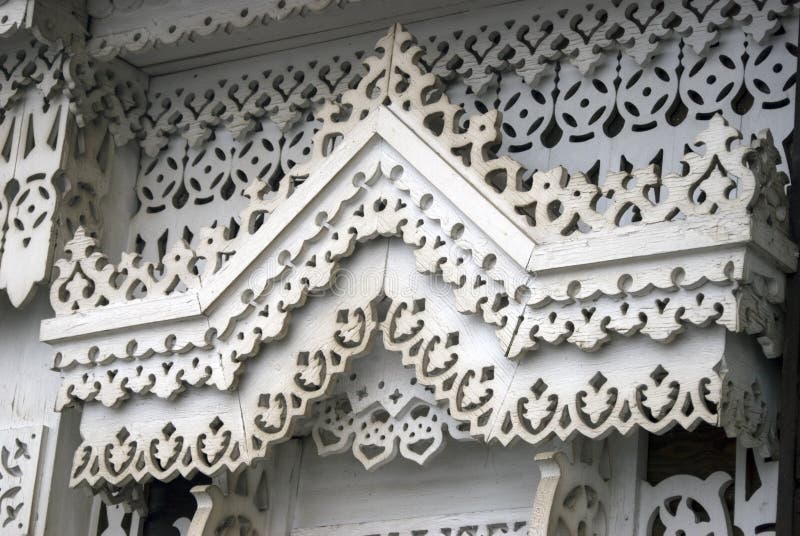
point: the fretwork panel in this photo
(621, 115)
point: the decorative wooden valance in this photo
(530, 308)
(61, 114)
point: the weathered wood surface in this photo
(312, 221)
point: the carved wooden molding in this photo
(544, 34)
(59, 111)
(50, 57)
(688, 504)
(239, 509)
(159, 32)
(119, 519)
(573, 490)
(527, 41)
(575, 494)
(19, 465)
(756, 492)
(520, 268)
(674, 503)
(58, 174)
(50, 21)
(238, 505)
(212, 132)
(379, 410)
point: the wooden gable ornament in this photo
(62, 113)
(532, 306)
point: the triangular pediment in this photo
(382, 161)
(509, 262)
(537, 226)
(296, 255)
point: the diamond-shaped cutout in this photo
(659, 374)
(215, 425)
(539, 388)
(168, 430)
(123, 435)
(452, 339)
(597, 381)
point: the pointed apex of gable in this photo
(396, 78)
(563, 259)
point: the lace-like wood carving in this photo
(19, 463)
(406, 193)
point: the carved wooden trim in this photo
(527, 41)
(671, 503)
(241, 508)
(379, 410)
(121, 521)
(584, 211)
(253, 119)
(394, 161)
(59, 111)
(756, 492)
(19, 465)
(55, 176)
(50, 56)
(496, 398)
(50, 21)
(168, 32)
(548, 35)
(573, 490)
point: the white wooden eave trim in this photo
(635, 242)
(478, 202)
(382, 125)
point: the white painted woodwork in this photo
(708, 493)
(441, 279)
(49, 506)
